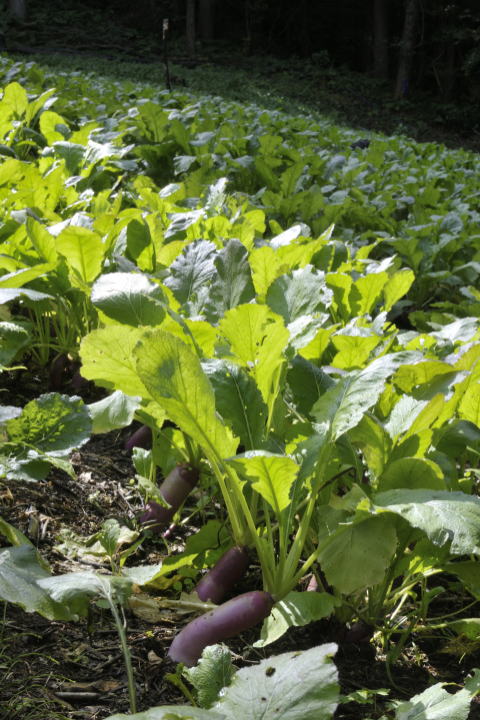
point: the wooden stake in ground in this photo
(165, 26)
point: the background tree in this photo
(206, 20)
(407, 42)
(18, 9)
(190, 27)
(380, 39)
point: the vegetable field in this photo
(273, 325)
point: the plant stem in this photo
(121, 625)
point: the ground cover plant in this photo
(293, 317)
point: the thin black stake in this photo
(165, 26)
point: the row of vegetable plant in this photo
(295, 321)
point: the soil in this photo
(76, 670)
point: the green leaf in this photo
(53, 127)
(341, 408)
(370, 436)
(191, 270)
(435, 703)
(213, 672)
(75, 590)
(403, 414)
(175, 379)
(257, 339)
(152, 120)
(107, 359)
(295, 610)
(83, 251)
(179, 222)
(20, 572)
(272, 476)
(72, 153)
(353, 350)
(233, 282)
(469, 573)
(129, 298)
(109, 535)
(23, 276)
(13, 338)
(42, 241)
(366, 291)
(15, 98)
(113, 412)
(297, 685)
(445, 517)
(265, 267)
(55, 424)
(171, 712)
(413, 473)
(302, 292)
(469, 408)
(9, 294)
(13, 535)
(359, 555)
(239, 401)
(396, 287)
(307, 383)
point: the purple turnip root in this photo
(178, 484)
(224, 575)
(359, 632)
(141, 438)
(58, 368)
(79, 383)
(225, 621)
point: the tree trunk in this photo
(380, 40)
(206, 20)
(190, 27)
(18, 9)
(450, 72)
(407, 42)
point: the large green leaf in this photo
(171, 712)
(447, 518)
(192, 270)
(213, 672)
(174, 377)
(83, 251)
(54, 424)
(257, 339)
(233, 282)
(272, 476)
(302, 292)
(20, 571)
(359, 555)
(307, 382)
(366, 291)
(107, 359)
(13, 338)
(75, 590)
(435, 703)
(341, 408)
(238, 400)
(129, 298)
(396, 287)
(295, 610)
(113, 412)
(374, 442)
(412, 472)
(297, 685)
(15, 99)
